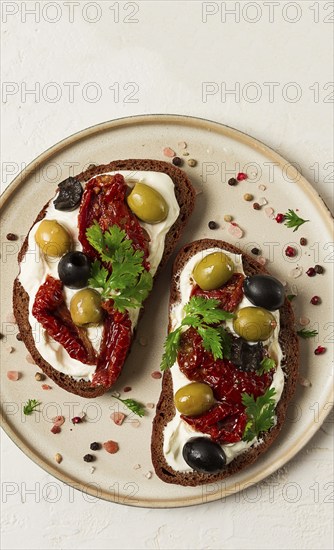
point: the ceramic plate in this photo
(221, 152)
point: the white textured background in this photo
(171, 57)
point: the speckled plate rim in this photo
(197, 123)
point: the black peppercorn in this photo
(177, 161)
(303, 241)
(89, 458)
(11, 237)
(232, 181)
(213, 225)
(319, 269)
(255, 251)
(95, 446)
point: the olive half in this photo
(148, 204)
(52, 238)
(213, 271)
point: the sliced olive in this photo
(194, 399)
(213, 271)
(85, 307)
(254, 324)
(69, 196)
(264, 291)
(204, 455)
(52, 238)
(148, 205)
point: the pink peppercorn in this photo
(76, 420)
(290, 251)
(242, 176)
(320, 350)
(315, 300)
(311, 272)
(280, 218)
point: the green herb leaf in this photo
(31, 406)
(293, 220)
(291, 297)
(260, 413)
(266, 365)
(134, 406)
(304, 333)
(129, 283)
(201, 312)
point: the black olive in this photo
(74, 269)
(246, 356)
(264, 291)
(69, 196)
(204, 455)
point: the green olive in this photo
(194, 399)
(85, 307)
(254, 324)
(52, 238)
(148, 205)
(213, 271)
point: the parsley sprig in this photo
(266, 365)
(31, 406)
(304, 333)
(129, 284)
(292, 220)
(134, 406)
(200, 314)
(260, 413)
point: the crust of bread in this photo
(185, 196)
(166, 409)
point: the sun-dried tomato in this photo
(226, 421)
(104, 201)
(114, 348)
(229, 295)
(50, 310)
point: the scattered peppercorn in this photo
(11, 237)
(248, 197)
(290, 251)
(76, 420)
(311, 272)
(127, 388)
(213, 225)
(95, 446)
(191, 162)
(303, 241)
(177, 161)
(232, 181)
(58, 458)
(319, 269)
(255, 251)
(39, 376)
(319, 350)
(89, 458)
(228, 218)
(280, 218)
(256, 206)
(19, 337)
(242, 176)
(316, 300)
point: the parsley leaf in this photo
(304, 333)
(128, 284)
(293, 220)
(260, 413)
(266, 365)
(134, 406)
(291, 297)
(200, 312)
(31, 406)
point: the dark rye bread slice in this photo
(185, 196)
(166, 409)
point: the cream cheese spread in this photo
(177, 432)
(35, 267)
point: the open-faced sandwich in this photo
(230, 365)
(88, 264)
